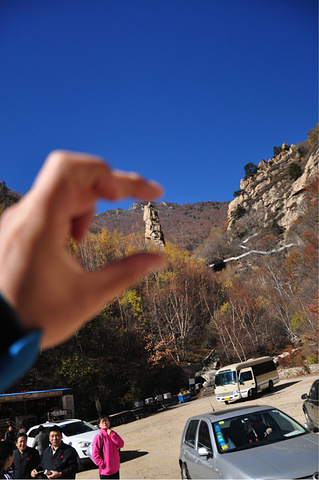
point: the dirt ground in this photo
(152, 444)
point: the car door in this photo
(312, 404)
(189, 447)
(205, 464)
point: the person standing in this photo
(25, 458)
(10, 435)
(59, 460)
(105, 453)
(41, 440)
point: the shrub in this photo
(238, 192)
(239, 212)
(294, 171)
(250, 169)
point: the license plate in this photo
(227, 399)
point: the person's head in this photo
(21, 442)
(6, 455)
(257, 420)
(10, 428)
(55, 436)
(104, 422)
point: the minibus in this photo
(245, 379)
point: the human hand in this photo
(53, 474)
(34, 473)
(47, 287)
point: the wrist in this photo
(18, 348)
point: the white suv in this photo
(75, 432)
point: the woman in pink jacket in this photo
(105, 452)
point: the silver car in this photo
(259, 442)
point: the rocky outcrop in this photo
(271, 194)
(153, 229)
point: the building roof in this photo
(31, 395)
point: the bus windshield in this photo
(225, 378)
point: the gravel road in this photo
(152, 444)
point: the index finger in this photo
(93, 178)
(129, 184)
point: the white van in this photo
(245, 379)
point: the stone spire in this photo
(153, 229)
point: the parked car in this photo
(75, 432)
(310, 406)
(230, 443)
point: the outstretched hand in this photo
(47, 287)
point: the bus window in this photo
(245, 376)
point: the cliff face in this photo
(273, 193)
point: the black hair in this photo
(55, 428)
(6, 449)
(21, 434)
(101, 417)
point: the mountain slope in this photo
(185, 225)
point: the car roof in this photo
(58, 422)
(226, 413)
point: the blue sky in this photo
(186, 92)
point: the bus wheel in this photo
(271, 386)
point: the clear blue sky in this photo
(183, 91)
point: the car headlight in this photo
(84, 444)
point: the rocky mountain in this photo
(268, 215)
(276, 192)
(185, 225)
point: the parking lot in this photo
(152, 444)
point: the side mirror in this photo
(309, 426)
(241, 381)
(304, 396)
(204, 452)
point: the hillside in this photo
(276, 191)
(184, 225)
(268, 214)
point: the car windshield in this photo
(255, 429)
(225, 378)
(75, 428)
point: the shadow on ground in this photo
(127, 455)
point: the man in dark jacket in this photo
(10, 435)
(59, 460)
(25, 458)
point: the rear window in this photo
(75, 428)
(34, 432)
(191, 433)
